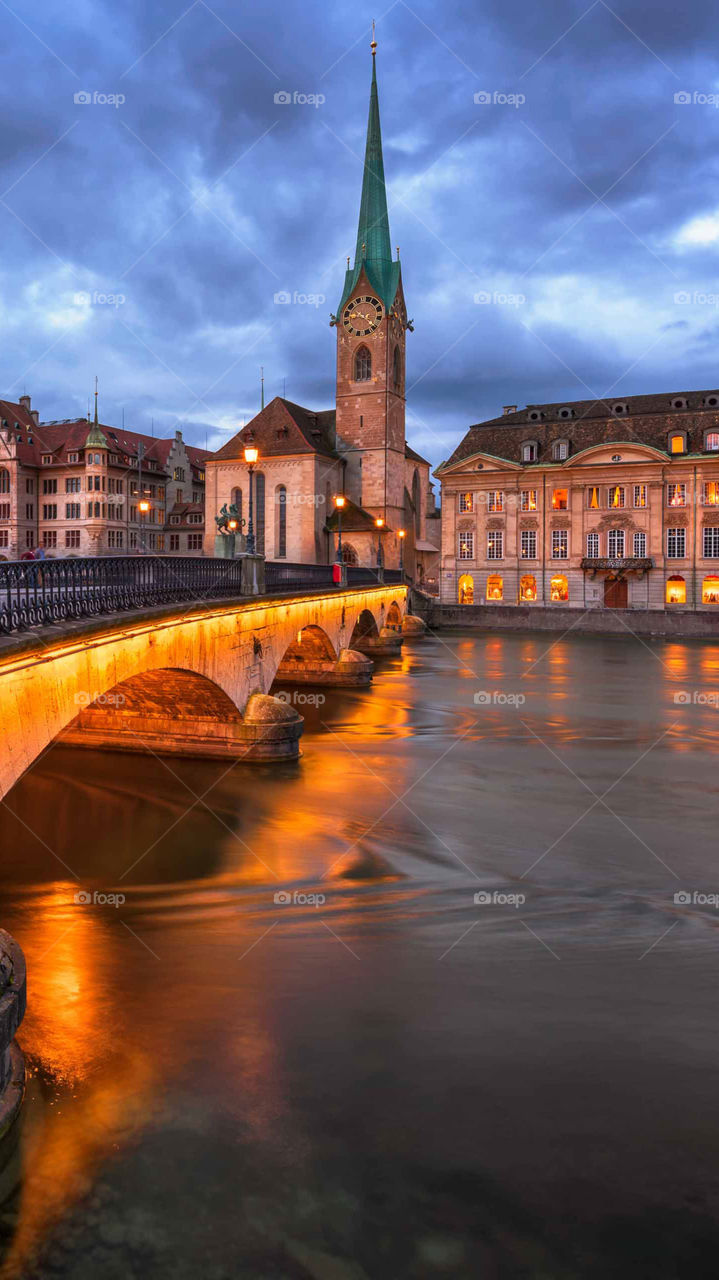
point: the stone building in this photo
(357, 449)
(591, 504)
(74, 488)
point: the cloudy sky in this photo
(556, 205)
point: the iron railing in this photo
(37, 592)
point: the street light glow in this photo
(402, 533)
(379, 522)
(144, 506)
(340, 501)
(251, 454)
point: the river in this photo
(382, 1076)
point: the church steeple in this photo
(374, 247)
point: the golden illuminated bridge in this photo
(101, 661)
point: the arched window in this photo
(495, 587)
(528, 587)
(710, 590)
(260, 512)
(363, 365)
(280, 522)
(466, 589)
(676, 590)
(4, 480)
(417, 502)
(397, 370)
(559, 587)
(349, 555)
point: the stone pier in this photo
(386, 643)
(413, 627)
(350, 669)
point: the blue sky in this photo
(145, 240)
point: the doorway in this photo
(616, 593)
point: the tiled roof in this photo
(354, 520)
(281, 428)
(70, 434)
(646, 420)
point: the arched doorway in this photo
(465, 589)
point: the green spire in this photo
(374, 248)
(95, 438)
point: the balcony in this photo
(618, 564)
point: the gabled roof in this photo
(284, 428)
(354, 520)
(412, 454)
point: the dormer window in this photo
(46, 459)
(560, 450)
(621, 409)
(711, 441)
(679, 402)
(535, 415)
(530, 450)
(566, 412)
(678, 442)
(711, 402)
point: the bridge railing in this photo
(37, 592)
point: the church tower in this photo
(371, 332)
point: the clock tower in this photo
(371, 330)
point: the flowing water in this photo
(382, 1076)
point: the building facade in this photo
(358, 449)
(592, 504)
(80, 488)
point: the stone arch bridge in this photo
(191, 679)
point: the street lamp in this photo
(379, 523)
(251, 456)
(340, 501)
(402, 534)
(143, 508)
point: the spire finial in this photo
(96, 421)
(262, 385)
(373, 45)
(398, 253)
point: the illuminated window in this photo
(676, 590)
(559, 500)
(615, 496)
(495, 544)
(528, 500)
(676, 544)
(711, 444)
(676, 495)
(711, 493)
(363, 365)
(528, 587)
(640, 545)
(560, 544)
(676, 444)
(528, 544)
(593, 497)
(592, 546)
(466, 502)
(495, 500)
(495, 587)
(559, 587)
(466, 546)
(466, 589)
(710, 547)
(615, 544)
(640, 495)
(710, 590)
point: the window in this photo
(640, 495)
(466, 502)
(260, 512)
(72, 457)
(30, 511)
(72, 484)
(529, 451)
(710, 547)
(4, 537)
(676, 443)
(559, 500)
(560, 450)
(676, 590)
(676, 544)
(593, 497)
(640, 545)
(49, 511)
(49, 538)
(711, 493)
(711, 444)
(72, 538)
(194, 542)
(615, 495)
(615, 544)
(528, 544)
(179, 473)
(397, 370)
(710, 590)
(495, 500)
(495, 587)
(29, 486)
(466, 546)
(49, 486)
(363, 365)
(4, 510)
(676, 495)
(528, 500)
(29, 539)
(160, 542)
(560, 544)
(280, 523)
(46, 459)
(495, 544)
(558, 588)
(528, 587)
(133, 541)
(466, 589)
(4, 481)
(592, 546)
(72, 510)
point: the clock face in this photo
(362, 316)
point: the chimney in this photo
(178, 435)
(25, 402)
(35, 415)
(509, 408)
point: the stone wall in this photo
(641, 622)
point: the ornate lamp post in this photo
(379, 524)
(251, 456)
(340, 501)
(143, 507)
(402, 534)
